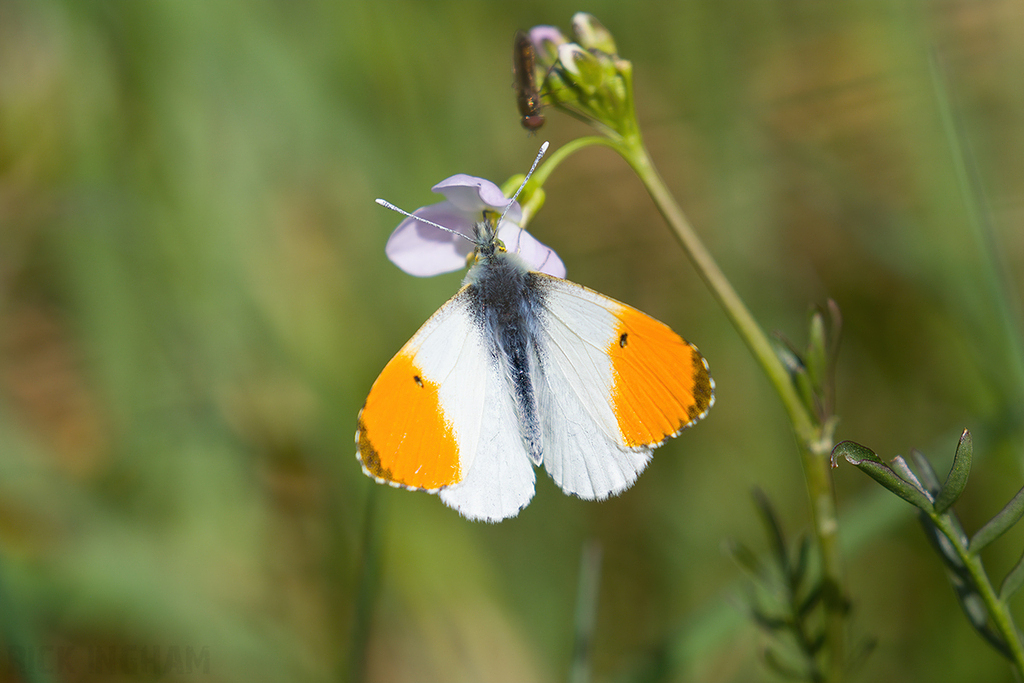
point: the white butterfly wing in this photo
(616, 384)
(440, 418)
(501, 481)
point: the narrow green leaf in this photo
(817, 351)
(809, 603)
(835, 327)
(788, 355)
(869, 463)
(767, 622)
(976, 612)
(903, 471)
(942, 544)
(929, 479)
(1013, 581)
(745, 558)
(805, 387)
(974, 607)
(799, 566)
(815, 644)
(776, 537)
(797, 370)
(995, 527)
(956, 480)
(774, 662)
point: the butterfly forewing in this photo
(421, 421)
(617, 384)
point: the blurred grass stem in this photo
(996, 280)
(366, 591)
(586, 612)
(22, 647)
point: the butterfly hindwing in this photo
(501, 481)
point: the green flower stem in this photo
(552, 161)
(636, 156)
(815, 442)
(998, 609)
(734, 307)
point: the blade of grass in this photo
(586, 612)
(365, 590)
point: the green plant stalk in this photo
(587, 591)
(19, 634)
(632, 150)
(815, 442)
(366, 592)
(998, 610)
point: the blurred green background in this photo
(194, 301)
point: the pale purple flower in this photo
(423, 250)
(546, 40)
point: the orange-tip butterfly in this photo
(522, 369)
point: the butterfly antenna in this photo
(540, 155)
(388, 205)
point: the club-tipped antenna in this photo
(540, 155)
(388, 205)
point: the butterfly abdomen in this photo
(507, 304)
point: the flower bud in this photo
(586, 78)
(591, 33)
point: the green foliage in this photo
(813, 370)
(194, 301)
(787, 604)
(986, 610)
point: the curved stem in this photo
(815, 442)
(997, 608)
(553, 160)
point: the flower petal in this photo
(546, 40)
(423, 250)
(471, 194)
(537, 256)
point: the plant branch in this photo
(997, 608)
(814, 442)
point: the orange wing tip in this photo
(391, 483)
(662, 382)
(403, 436)
(710, 392)
(383, 480)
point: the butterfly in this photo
(522, 369)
